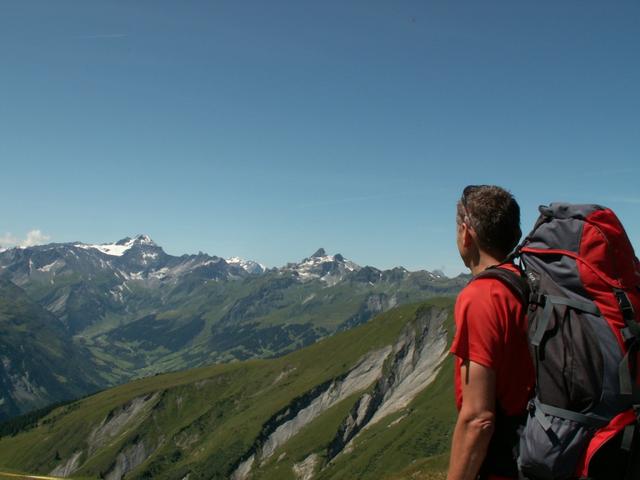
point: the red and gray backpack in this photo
(584, 333)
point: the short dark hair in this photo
(494, 214)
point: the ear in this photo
(468, 238)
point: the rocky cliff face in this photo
(127, 460)
(389, 380)
(304, 410)
(411, 367)
(117, 421)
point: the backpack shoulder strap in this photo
(515, 281)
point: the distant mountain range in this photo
(129, 309)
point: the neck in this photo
(483, 261)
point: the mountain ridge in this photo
(119, 247)
(309, 414)
(143, 312)
(39, 364)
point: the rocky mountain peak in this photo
(140, 239)
(144, 240)
(319, 253)
(331, 269)
(249, 266)
(124, 241)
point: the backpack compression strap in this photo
(631, 334)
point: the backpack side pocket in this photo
(551, 446)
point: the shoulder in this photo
(490, 290)
(481, 291)
(475, 305)
(489, 301)
(479, 328)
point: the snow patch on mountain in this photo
(46, 268)
(330, 269)
(144, 240)
(248, 266)
(120, 247)
(107, 248)
(146, 256)
(160, 274)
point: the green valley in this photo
(374, 401)
(129, 310)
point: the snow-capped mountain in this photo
(330, 269)
(138, 258)
(141, 311)
(83, 282)
(119, 248)
(333, 269)
(248, 265)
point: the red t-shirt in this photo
(491, 329)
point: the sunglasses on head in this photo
(468, 190)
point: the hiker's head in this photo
(488, 219)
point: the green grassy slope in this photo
(416, 438)
(39, 364)
(204, 421)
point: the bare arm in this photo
(476, 421)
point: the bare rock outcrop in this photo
(117, 420)
(110, 428)
(127, 460)
(304, 410)
(414, 364)
(305, 469)
(389, 379)
(68, 467)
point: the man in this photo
(494, 376)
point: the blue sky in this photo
(269, 129)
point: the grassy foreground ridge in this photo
(205, 422)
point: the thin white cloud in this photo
(33, 237)
(8, 240)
